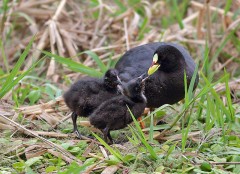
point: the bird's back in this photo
(109, 113)
(80, 94)
(137, 60)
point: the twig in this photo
(199, 24)
(59, 155)
(123, 15)
(113, 46)
(88, 149)
(224, 65)
(7, 21)
(233, 25)
(215, 9)
(92, 167)
(110, 169)
(30, 4)
(190, 18)
(59, 10)
(53, 31)
(104, 152)
(96, 156)
(191, 41)
(126, 33)
(53, 145)
(52, 134)
(179, 136)
(61, 121)
(208, 18)
(97, 24)
(40, 46)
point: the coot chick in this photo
(166, 85)
(113, 114)
(87, 94)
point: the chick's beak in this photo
(119, 85)
(119, 82)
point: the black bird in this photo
(113, 114)
(88, 93)
(166, 85)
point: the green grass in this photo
(74, 66)
(12, 79)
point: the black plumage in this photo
(113, 114)
(87, 94)
(166, 85)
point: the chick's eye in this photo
(136, 88)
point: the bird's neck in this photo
(172, 66)
(110, 88)
(140, 98)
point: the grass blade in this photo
(5, 8)
(205, 89)
(4, 56)
(221, 46)
(19, 63)
(75, 66)
(227, 6)
(185, 89)
(151, 129)
(141, 136)
(210, 111)
(95, 57)
(185, 133)
(136, 124)
(178, 15)
(194, 77)
(9, 86)
(229, 100)
(120, 5)
(109, 148)
(171, 149)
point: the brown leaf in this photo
(110, 169)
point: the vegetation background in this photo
(47, 45)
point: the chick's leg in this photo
(75, 129)
(109, 137)
(106, 134)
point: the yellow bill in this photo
(153, 69)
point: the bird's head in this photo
(111, 79)
(134, 89)
(166, 58)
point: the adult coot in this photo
(113, 114)
(88, 93)
(166, 85)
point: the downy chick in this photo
(113, 114)
(88, 93)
